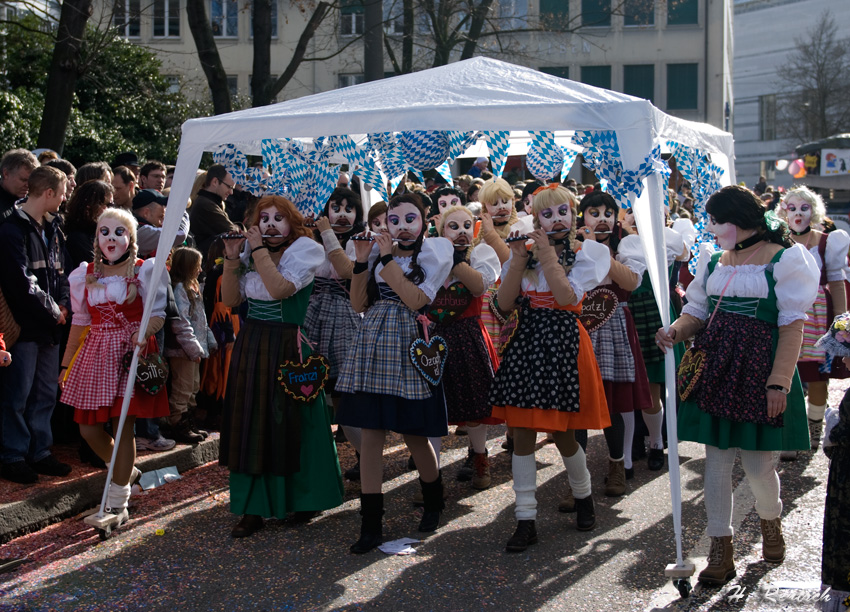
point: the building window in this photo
(126, 18)
(639, 12)
(554, 14)
(595, 13)
(346, 80)
(393, 18)
(274, 20)
(224, 17)
(173, 83)
(682, 12)
(767, 117)
(513, 14)
(639, 81)
(598, 76)
(351, 18)
(233, 86)
(682, 86)
(166, 18)
(558, 71)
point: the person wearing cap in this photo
(208, 215)
(479, 165)
(149, 210)
(128, 159)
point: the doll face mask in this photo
(458, 228)
(445, 201)
(500, 211)
(113, 239)
(341, 214)
(405, 223)
(379, 224)
(272, 223)
(799, 213)
(556, 218)
(601, 220)
(629, 219)
(726, 234)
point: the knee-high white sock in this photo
(477, 438)
(718, 490)
(628, 437)
(437, 444)
(653, 424)
(578, 474)
(815, 412)
(354, 435)
(525, 486)
(117, 496)
(760, 467)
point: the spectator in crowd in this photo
(70, 171)
(83, 209)
(169, 176)
(94, 171)
(479, 166)
(149, 210)
(207, 214)
(152, 176)
(15, 168)
(46, 156)
(761, 186)
(343, 181)
(36, 290)
(124, 183)
(128, 159)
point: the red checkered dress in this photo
(96, 381)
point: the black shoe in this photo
(301, 517)
(411, 464)
(248, 525)
(432, 495)
(19, 472)
(367, 542)
(87, 455)
(353, 473)
(630, 473)
(339, 435)
(182, 433)
(51, 466)
(523, 537)
(655, 459)
(585, 514)
(371, 512)
(467, 470)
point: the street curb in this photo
(75, 496)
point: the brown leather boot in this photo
(615, 483)
(568, 504)
(481, 477)
(721, 567)
(773, 544)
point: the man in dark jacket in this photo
(207, 214)
(15, 168)
(38, 295)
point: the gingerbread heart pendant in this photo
(690, 370)
(429, 358)
(450, 303)
(304, 381)
(597, 308)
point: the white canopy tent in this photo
(476, 94)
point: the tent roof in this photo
(475, 94)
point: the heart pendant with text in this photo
(597, 308)
(429, 358)
(304, 381)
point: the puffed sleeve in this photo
(697, 305)
(485, 261)
(685, 228)
(837, 243)
(299, 262)
(630, 254)
(435, 259)
(77, 280)
(797, 276)
(592, 264)
(161, 295)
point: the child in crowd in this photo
(186, 345)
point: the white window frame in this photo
(166, 5)
(347, 80)
(225, 17)
(132, 14)
(356, 25)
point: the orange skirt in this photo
(142, 406)
(593, 407)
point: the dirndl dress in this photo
(831, 252)
(728, 406)
(647, 319)
(97, 377)
(331, 323)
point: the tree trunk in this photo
(261, 77)
(300, 49)
(475, 26)
(407, 37)
(63, 75)
(373, 40)
(202, 32)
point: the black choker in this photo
(745, 244)
(805, 231)
(559, 241)
(120, 260)
(503, 224)
(406, 247)
(274, 249)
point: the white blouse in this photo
(435, 259)
(676, 238)
(331, 244)
(485, 261)
(298, 265)
(113, 289)
(630, 254)
(593, 262)
(795, 273)
(837, 243)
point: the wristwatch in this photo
(778, 388)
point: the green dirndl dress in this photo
(696, 425)
(647, 321)
(280, 452)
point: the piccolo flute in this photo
(371, 238)
(240, 236)
(333, 225)
(525, 237)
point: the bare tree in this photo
(819, 69)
